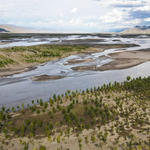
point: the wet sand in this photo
(24, 66)
(46, 78)
(75, 61)
(15, 70)
(120, 60)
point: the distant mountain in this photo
(137, 30)
(17, 29)
(3, 30)
(117, 30)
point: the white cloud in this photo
(147, 19)
(75, 22)
(62, 14)
(60, 21)
(92, 24)
(144, 8)
(74, 10)
(120, 3)
(133, 22)
(114, 16)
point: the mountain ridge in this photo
(137, 30)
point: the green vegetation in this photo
(103, 110)
(38, 54)
(5, 61)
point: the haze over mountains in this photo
(6, 28)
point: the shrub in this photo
(85, 102)
(81, 119)
(3, 108)
(43, 110)
(51, 126)
(61, 123)
(51, 116)
(1, 115)
(37, 111)
(93, 138)
(33, 108)
(13, 108)
(42, 148)
(27, 122)
(22, 130)
(45, 105)
(41, 102)
(49, 113)
(31, 127)
(63, 111)
(39, 124)
(16, 130)
(54, 110)
(32, 101)
(17, 106)
(87, 126)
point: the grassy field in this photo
(113, 116)
(22, 57)
(32, 54)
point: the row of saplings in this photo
(92, 111)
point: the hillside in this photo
(137, 30)
(110, 117)
(4, 28)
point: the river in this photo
(19, 88)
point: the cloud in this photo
(74, 10)
(92, 24)
(62, 14)
(144, 8)
(139, 14)
(75, 22)
(122, 3)
(114, 16)
(147, 19)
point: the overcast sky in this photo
(75, 15)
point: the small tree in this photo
(32, 101)
(39, 123)
(1, 115)
(58, 139)
(27, 122)
(13, 108)
(22, 130)
(93, 138)
(22, 105)
(42, 148)
(128, 78)
(3, 108)
(37, 111)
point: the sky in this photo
(75, 15)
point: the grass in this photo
(38, 54)
(5, 61)
(43, 53)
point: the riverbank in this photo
(121, 60)
(17, 60)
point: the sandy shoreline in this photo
(120, 60)
(21, 66)
(46, 78)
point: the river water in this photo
(20, 88)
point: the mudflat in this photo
(121, 60)
(46, 78)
